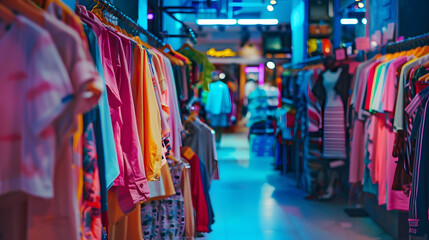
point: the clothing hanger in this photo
(424, 50)
(173, 158)
(98, 11)
(168, 46)
(6, 15)
(172, 59)
(424, 78)
(191, 118)
(34, 14)
(41, 3)
(187, 45)
(138, 40)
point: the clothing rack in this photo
(124, 21)
(408, 44)
(189, 32)
(312, 60)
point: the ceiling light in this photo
(217, 21)
(271, 65)
(348, 21)
(222, 76)
(258, 21)
(270, 8)
(150, 16)
(361, 5)
(273, 2)
(364, 21)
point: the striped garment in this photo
(334, 136)
(419, 199)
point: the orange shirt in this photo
(147, 114)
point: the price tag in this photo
(362, 43)
(340, 54)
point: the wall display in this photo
(277, 42)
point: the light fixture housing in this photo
(271, 65)
(222, 76)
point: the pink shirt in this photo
(389, 93)
(35, 90)
(131, 182)
(59, 218)
(174, 121)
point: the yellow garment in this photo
(161, 77)
(168, 184)
(114, 211)
(312, 45)
(128, 227)
(147, 114)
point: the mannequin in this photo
(218, 105)
(332, 91)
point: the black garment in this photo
(342, 87)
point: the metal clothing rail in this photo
(124, 21)
(189, 32)
(408, 44)
(312, 60)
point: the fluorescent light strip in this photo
(239, 21)
(258, 21)
(217, 21)
(349, 21)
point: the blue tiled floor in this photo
(252, 201)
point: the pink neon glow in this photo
(261, 73)
(251, 69)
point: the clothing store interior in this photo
(214, 119)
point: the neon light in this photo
(224, 53)
(251, 69)
(261, 79)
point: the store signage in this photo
(224, 53)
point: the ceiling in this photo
(232, 36)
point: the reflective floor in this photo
(252, 201)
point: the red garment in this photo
(371, 76)
(198, 198)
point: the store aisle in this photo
(252, 201)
